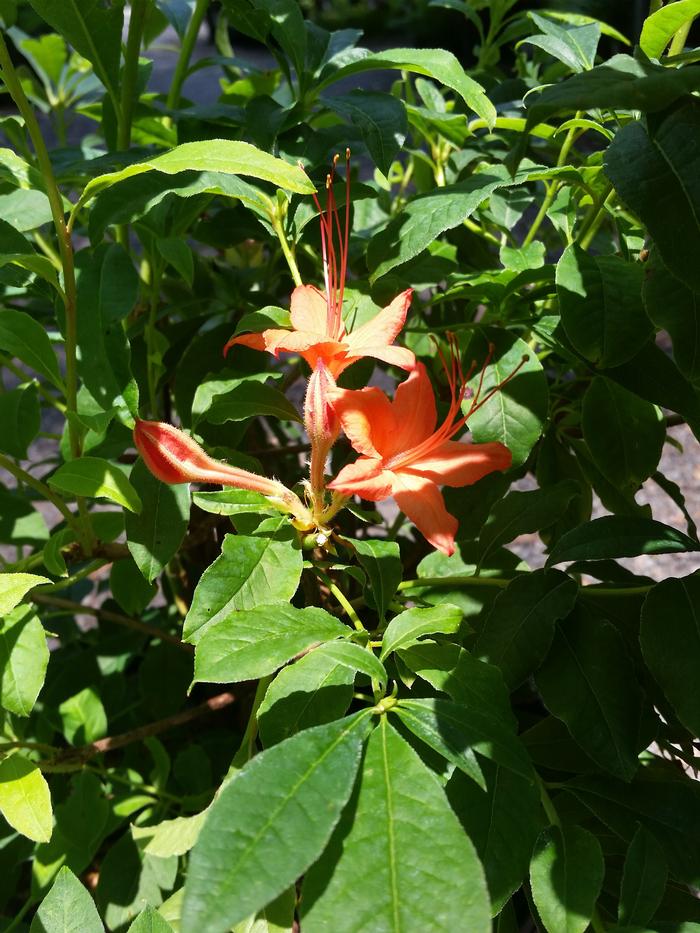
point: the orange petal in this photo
(309, 310)
(254, 341)
(421, 500)
(455, 463)
(414, 410)
(365, 478)
(384, 327)
(395, 356)
(366, 419)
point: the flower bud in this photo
(173, 457)
(320, 420)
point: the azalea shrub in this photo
(332, 419)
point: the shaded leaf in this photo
(643, 879)
(67, 908)
(154, 535)
(619, 536)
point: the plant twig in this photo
(106, 615)
(183, 61)
(112, 742)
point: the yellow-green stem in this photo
(130, 71)
(288, 255)
(183, 61)
(43, 490)
(502, 582)
(342, 599)
(553, 187)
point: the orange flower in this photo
(318, 331)
(406, 457)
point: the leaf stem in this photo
(342, 599)
(245, 749)
(594, 217)
(288, 255)
(554, 186)
(43, 490)
(502, 582)
(183, 61)
(130, 71)
(65, 245)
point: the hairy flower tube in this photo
(405, 456)
(318, 331)
(173, 457)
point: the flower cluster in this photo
(404, 453)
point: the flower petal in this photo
(384, 327)
(366, 418)
(421, 500)
(414, 410)
(456, 463)
(309, 310)
(254, 341)
(395, 356)
(365, 478)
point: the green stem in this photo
(247, 746)
(156, 268)
(553, 187)
(594, 218)
(43, 490)
(75, 577)
(183, 61)
(130, 71)
(288, 255)
(42, 390)
(65, 245)
(502, 582)
(347, 606)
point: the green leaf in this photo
(154, 535)
(25, 208)
(503, 823)
(516, 413)
(25, 800)
(248, 644)
(84, 718)
(463, 726)
(229, 157)
(20, 417)
(171, 837)
(471, 682)
(574, 46)
(32, 262)
(433, 63)
(234, 502)
(25, 338)
(424, 219)
(519, 628)
(525, 512)
(674, 307)
(24, 657)
(355, 658)
(621, 83)
(665, 803)
(381, 119)
(150, 921)
(14, 587)
(409, 626)
(178, 254)
(566, 877)
(108, 289)
(249, 399)
(643, 879)
(620, 536)
(98, 479)
(670, 640)
(381, 561)
(641, 162)
(601, 305)
(418, 868)
(67, 908)
(273, 820)
(314, 690)
(589, 682)
(663, 24)
(276, 917)
(250, 571)
(624, 434)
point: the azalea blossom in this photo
(405, 456)
(318, 330)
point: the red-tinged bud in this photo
(173, 457)
(321, 425)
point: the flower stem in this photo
(130, 71)
(183, 61)
(342, 599)
(502, 582)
